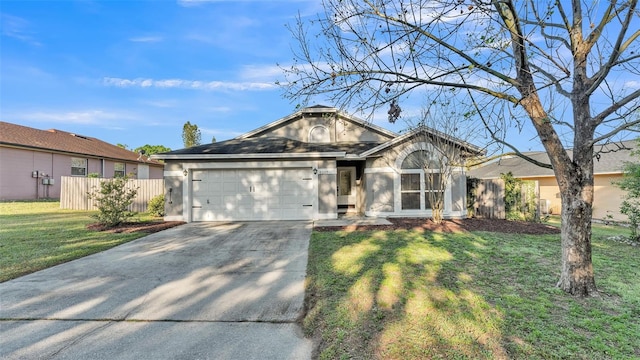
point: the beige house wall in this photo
(607, 197)
(340, 130)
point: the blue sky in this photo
(133, 72)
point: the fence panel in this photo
(74, 192)
(489, 199)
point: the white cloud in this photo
(81, 117)
(261, 72)
(147, 39)
(188, 84)
(18, 28)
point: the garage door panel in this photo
(257, 194)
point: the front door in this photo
(347, 187)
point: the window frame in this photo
(417, 191)
(85, 168)
(115, 171)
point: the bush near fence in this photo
(74, 192)
(487, 198)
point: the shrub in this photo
(113, 198)
(156, 206)
(630, 182)
(519, 198)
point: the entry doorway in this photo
(347, 192)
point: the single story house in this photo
(316, 163)
(608, 168)
(32, 161)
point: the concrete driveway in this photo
(198, 291)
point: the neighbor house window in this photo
(118, 170)
(78, 167)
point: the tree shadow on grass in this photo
(400, 294)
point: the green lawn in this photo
(415, 295)
(37, 235)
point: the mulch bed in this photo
(451, 226)
(447, 226)
(130, 227)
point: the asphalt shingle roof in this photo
(272, 145)
(62, 141)
(610, 158)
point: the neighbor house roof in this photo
(609, 159)
(65, 142)
(268, 147)
(314, 110)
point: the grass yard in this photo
(38, 235)
(408, 294)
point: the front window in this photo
(410, 191)
(118, 170)
(78, 167)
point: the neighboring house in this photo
(608, 168)
(32, 161)
(313, 164)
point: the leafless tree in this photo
(569, 68)
(443, 133)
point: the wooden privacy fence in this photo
(74, 192)
(487, 198)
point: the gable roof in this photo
(610, 159)
(65, 142)
(429, 131)
(317, 109)
(266, 147)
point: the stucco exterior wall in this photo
(340, 130)
(458, 191)
(607, 197)
(379, 192)
(173, 196)
(327, 194)
(16, 166)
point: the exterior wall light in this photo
(315, 171)
(185, 172)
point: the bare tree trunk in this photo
(577, 277)
(437, 215)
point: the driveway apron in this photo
(197, 291)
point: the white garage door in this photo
(261, 194)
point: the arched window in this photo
(420, 181)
